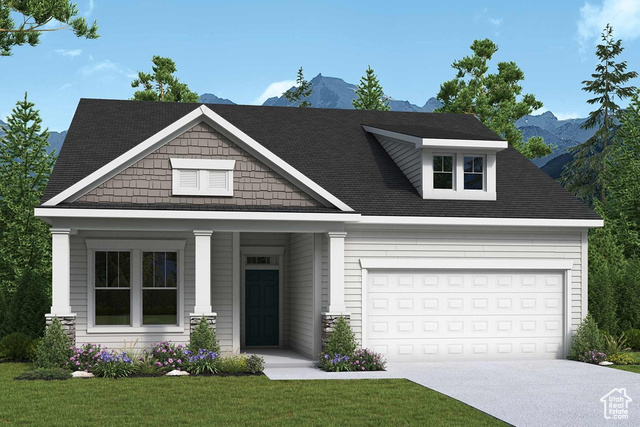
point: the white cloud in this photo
(89, 11)
(107, 67)
(566, 116)
(623, 15)
(495, 21)
(274, 89)
(65, 86)
(71, 53)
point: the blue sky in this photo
(247, 50)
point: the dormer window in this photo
(202, 177)
(474, 173)
(443, 172)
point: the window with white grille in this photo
(202, 177)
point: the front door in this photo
(262, 309)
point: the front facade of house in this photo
(431, 236)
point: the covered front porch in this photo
(265, 286)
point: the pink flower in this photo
(170, 360)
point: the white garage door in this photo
(470, 315)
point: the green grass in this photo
(226, 401)
(631, 368)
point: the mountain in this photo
(333, 92)
(561, 144)
(55, 139)
(209, 98)
(554, 167)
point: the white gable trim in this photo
(200, 114)
(440, 143)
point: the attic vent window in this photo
(202, 177)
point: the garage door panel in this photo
(468, 348)
(448, 314)
(463, 326)
(476, 303)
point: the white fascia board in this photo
(439, 143)
(203, 164)
(466, 263)
(200, 114)
(464, 221)
(125, 160)
(283, 167)
(209, 215)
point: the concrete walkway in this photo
(522, 393)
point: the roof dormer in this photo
(441, 163)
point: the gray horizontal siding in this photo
(407, 157)
(299, 298)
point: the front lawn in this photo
(227, 401)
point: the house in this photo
(616, 404)
(433, 237)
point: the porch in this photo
(266, 292)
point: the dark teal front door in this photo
(262, 308)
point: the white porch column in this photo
(336, 272)
(61, 272)
(203, 272)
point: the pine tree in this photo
(493, 98)
(25, 166)
(161, 84)
(300, 92)
(370, 95)
(35, 16)
(585, 176)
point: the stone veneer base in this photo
(68, 322)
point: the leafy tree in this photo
(35, 15)
(301, 91)
(493, 98)
(586, 175)
(370, 95)
(25, 167)
(161, 84)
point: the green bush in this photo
(45, 374)
(633, 338)
(621, 359)
(54, 349)
(613, 345)
(113, 365)
(255, 364)
(202, 362)
(587, 338)
(234, 364)
(203, 338)
(16, 347)
(341, 341)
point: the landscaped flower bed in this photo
(55, 353)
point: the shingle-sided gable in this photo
(149, 180)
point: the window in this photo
(443, 172)
(202, 177)
(112, 287)
(268, 260)
(473, 173)
(159, 288)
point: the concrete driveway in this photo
(522, 393)
(532, 393)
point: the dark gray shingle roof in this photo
(330, 147)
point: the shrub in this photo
(613, 345)
(255, 364)
(168, 356)
(341, 341)
(112, 365)
(335, 363)
(16, 347)
(202, 362)
(234, 364)
(203, 338)
(84, 358)
(594, 357)
(587, 338)
(633, 338)
(621, 359)
(45, 374)
(146, 365)
(367, 360)
(54, 349)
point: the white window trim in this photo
(454, 171)
(459, 193)
(135, 247)
(203, 166)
